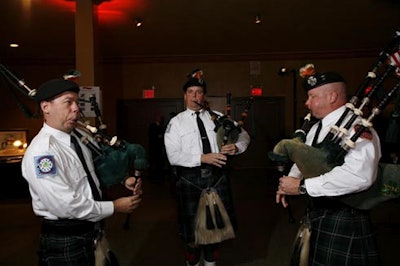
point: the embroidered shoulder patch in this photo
(45, 166)
(366, 133)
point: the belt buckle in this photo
(206, 172)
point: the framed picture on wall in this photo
(13, 142)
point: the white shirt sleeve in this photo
(243, 141)
(182, 142)
(357, 173)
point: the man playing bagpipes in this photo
(64, 186)
(206, 215)
(340, 234)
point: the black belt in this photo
(330, 203)
(68, 227)
(334, 204)
(203, 171)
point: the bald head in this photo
(338, 92)
(325, 99)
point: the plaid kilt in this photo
(342, 236)
(189, 187)
(64, 247)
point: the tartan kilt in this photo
(74, 250)
(189, 188)
(342, 236)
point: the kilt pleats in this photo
(342, 237)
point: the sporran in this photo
(301, 246)
(212, 223)
(104, 256)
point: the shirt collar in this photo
(193, 113)
(58, 134)
(332, 117)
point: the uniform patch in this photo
(366, 134)
(45, 166)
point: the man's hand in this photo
(288, 185)
(280, 198)
(134, 184)
(127, 204)
(217, 159)
(229, 149)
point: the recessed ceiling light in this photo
(14, 45)
(138, 22)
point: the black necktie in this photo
(315, 139)
(78, 149)
(204, 138)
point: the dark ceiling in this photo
(182, 28)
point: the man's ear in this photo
(44, 106)
(333, 97)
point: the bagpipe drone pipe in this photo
(226, 128)
(14, 85)
(313, 161)
(114, 159)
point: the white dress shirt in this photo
(183, 142)
(57, 180)
(358, 171)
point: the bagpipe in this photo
(226, 128)
(313, 161)
(114, 159)
(212, 222)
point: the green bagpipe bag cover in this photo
(114, 165)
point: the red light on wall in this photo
(148, 94)
(109, 12)
(257, 91)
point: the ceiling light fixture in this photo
(138, 22)
(257, 19)
(283, 71)
(14, 45)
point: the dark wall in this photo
(13, 186)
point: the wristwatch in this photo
(302, 187)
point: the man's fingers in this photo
(281, 198)
(284, 203)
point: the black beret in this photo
(55, 87)
(319, 79)
(195, 79)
